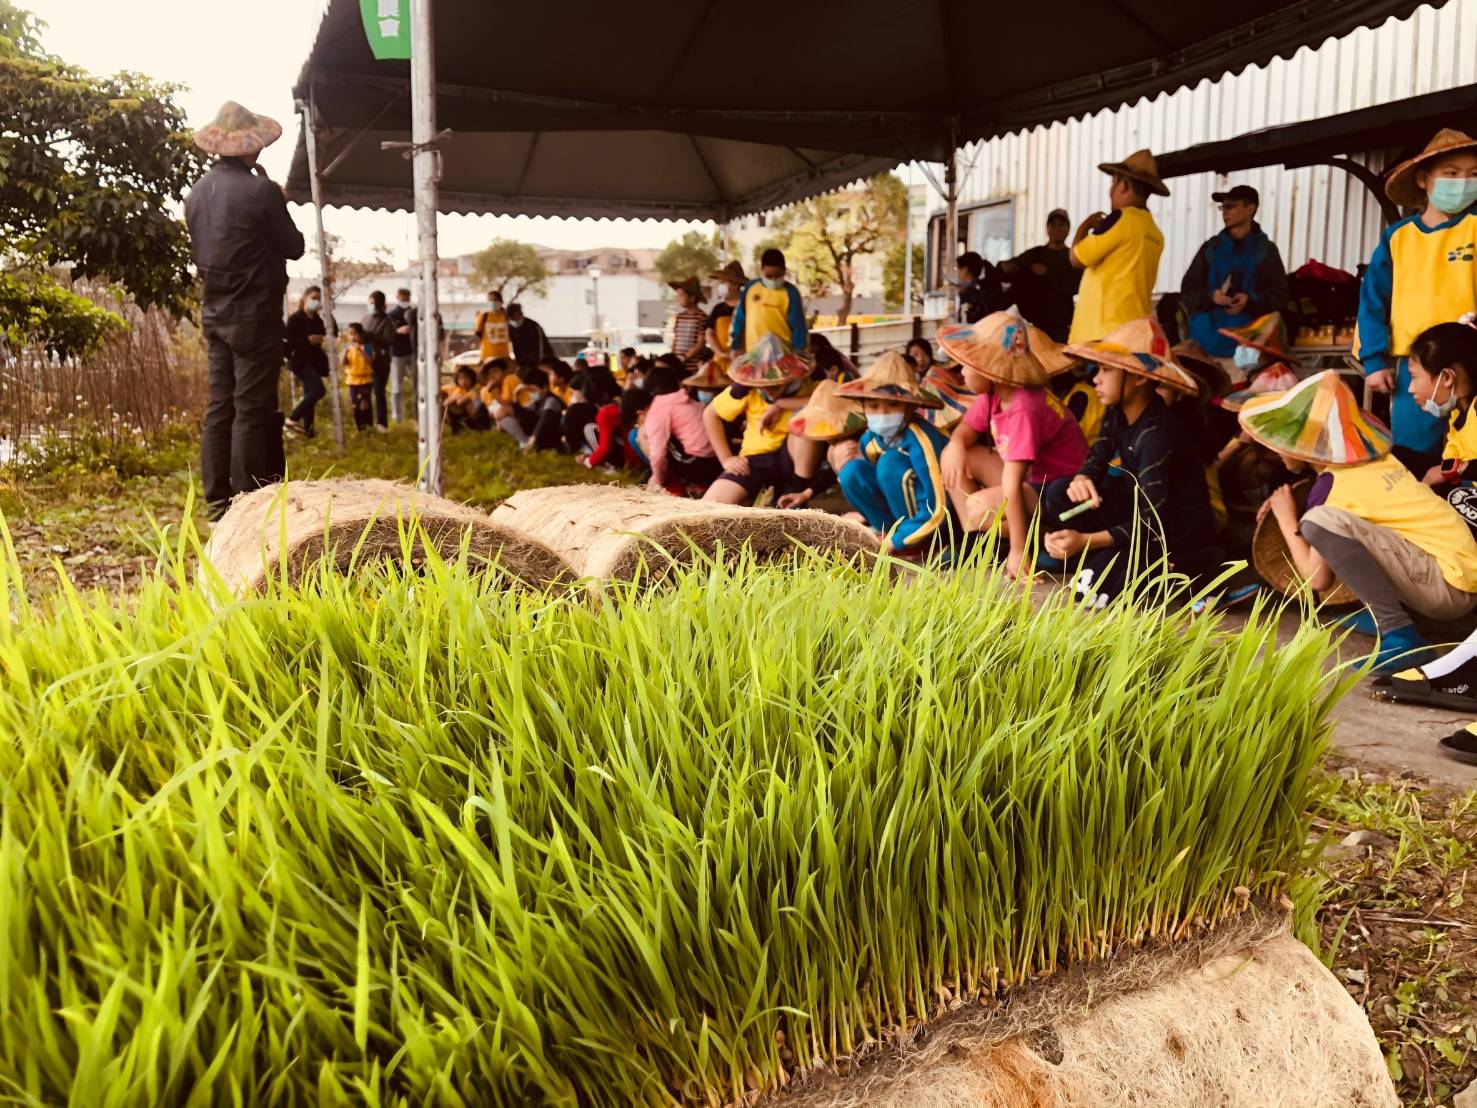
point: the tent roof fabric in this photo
(584, 107)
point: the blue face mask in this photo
(1439, 408)
(1247, 358)
(885, 424)
(705, 396)
(1453, 194)
(773, 282)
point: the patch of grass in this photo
(1400, 926)
(417, 839)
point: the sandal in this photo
(1456, 691)
(1461, 745)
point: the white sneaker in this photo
(382, 430)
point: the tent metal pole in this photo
(427, 182)
(951, 221)
(908, 246)
(330, 328)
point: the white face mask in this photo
(403, 303)
(1247, 358)
(773, 282)
(515, 323)
(311, 304)
(1453, 194)
(885, 424)
(1439, 408)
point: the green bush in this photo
(413, 839)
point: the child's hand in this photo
(796, 499)
(1013, 562)
(1081, 490)
(771, 416)
(1062, 545)
(952, 464)
(1283, 506)
(737, 465)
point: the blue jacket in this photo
(923, 485)
(1254, 266)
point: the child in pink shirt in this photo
(676, 442)
(1016, 437)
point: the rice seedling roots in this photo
(1243, 1016)
(611, 533)
(296, 525)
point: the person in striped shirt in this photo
(689, 334)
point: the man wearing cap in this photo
(1043, 280)
(242, 238)
(1236, 277)
(1423, 272)
(769, 305)
(1119, 252)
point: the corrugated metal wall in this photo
(1319, 212)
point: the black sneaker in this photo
(217, 509)
(1457, 690)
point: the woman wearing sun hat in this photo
(1423, 272)
(1143, 482)
(894, 482)
(1007, 362)
(1392, 540)
(242, 238)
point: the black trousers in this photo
(241, 442)
(382, 391)
(314, 390)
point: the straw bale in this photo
(608, 532)
(1245, 1021)
(361, 521)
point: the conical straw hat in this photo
(947, 383)
(1140, 347)
(828, 417)
(1319, 421)
(1266, 333)
(1006, 348)
(1400, 186)
(709, 377)
(769, 365)
(1141, 166)
(890, 377)
(236, 132)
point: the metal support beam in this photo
(330, 328)
(951, 219)
(427, 164)
(1370, 180)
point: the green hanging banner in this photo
(387, 27)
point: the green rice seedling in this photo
(407, 838)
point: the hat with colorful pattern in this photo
(236, 132)
(1266, 333)
(1139, 347)
(947, 383)
(769, 365)
(890, 377)
(828, 417)
(1006, 348)
(709, 377)
(1319, 421)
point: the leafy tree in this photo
(693, 255)
(893, 274)
(92, 170)
(824, 236)
(506, 264)
(39, 312)
(345, 273)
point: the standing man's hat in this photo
(1245, 194)
(1400, 186)
(733, 273)
(1141, 167)
(237, 133)
(774, 257)
(1058, 214)
(692, 285)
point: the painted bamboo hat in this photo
(709, 377)
(1275, 378)
(1319, 421)
(1266, 333)
(1141, 166)
(1006, 348)
(1213, 379)
(1400, 186)
(236, 132)
(733, 273)
(1139, 346)
(769, 365)
(691, 285)
(947, 383)
(1273, 561)
(828, 417)
(890, 377)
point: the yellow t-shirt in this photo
(1461, 441)
(1387, 495)
(492, 329)
(766, 312)
(757, 438)
(563, 392)
(1082, 401)
(358, 369)
(1122, 264)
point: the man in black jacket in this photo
(530, 344)
(242, 238)
(379, 336)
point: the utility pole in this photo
(427, 162)
(330, 330)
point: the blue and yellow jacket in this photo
(765, 311)
(922, 483)
(1418, 277)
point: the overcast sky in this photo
(251, 52)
